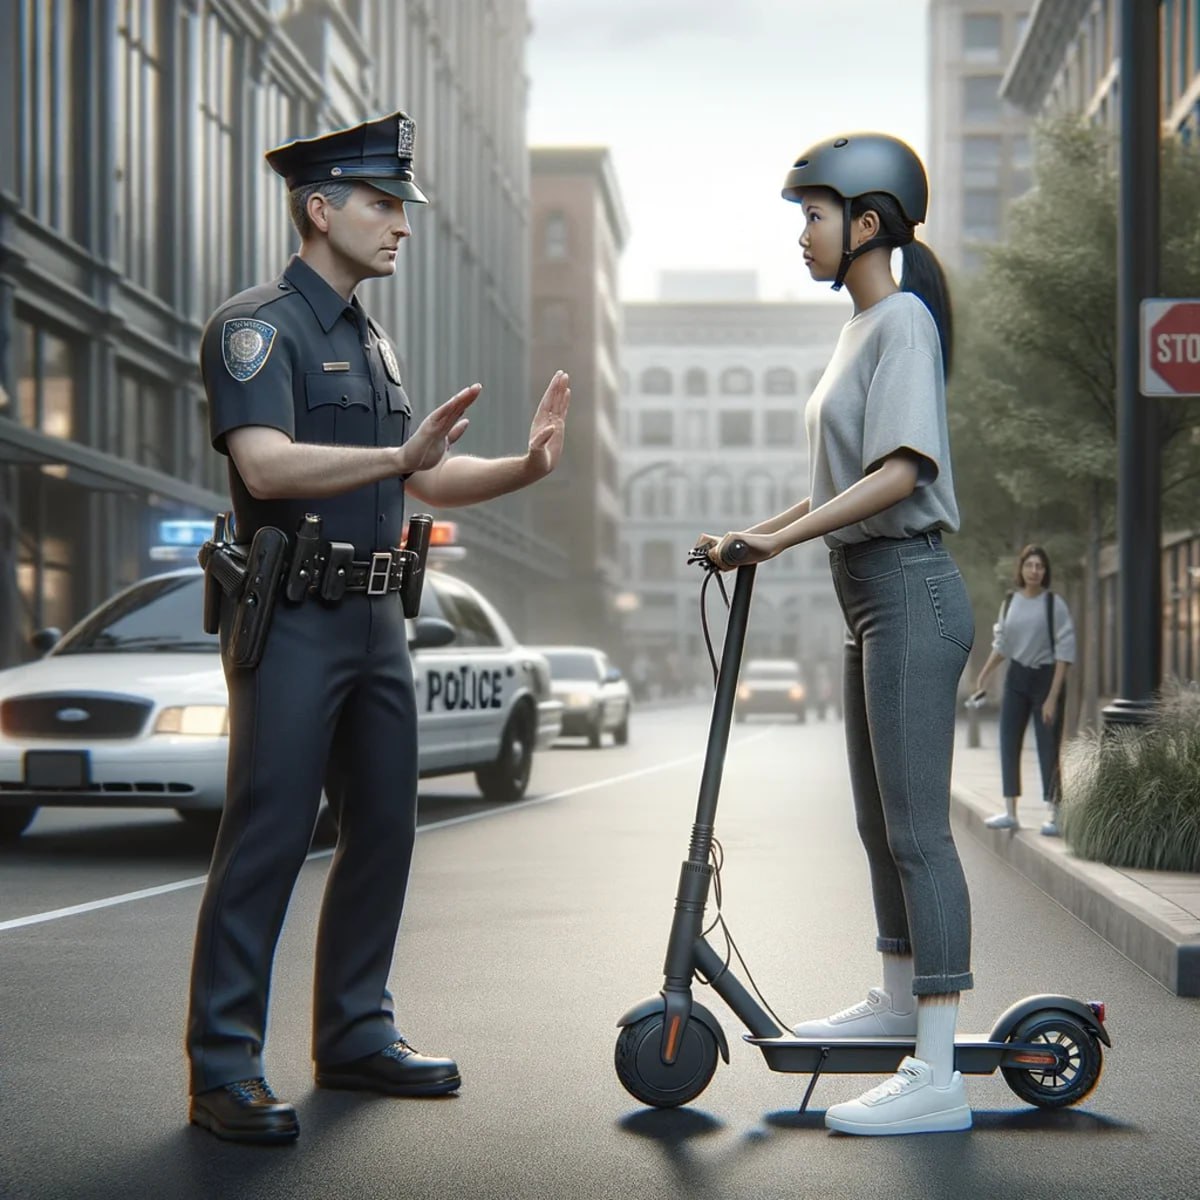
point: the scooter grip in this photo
(737, 551)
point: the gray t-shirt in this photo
(1023, 634)
(883, 391)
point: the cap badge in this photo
(245, 345)
(335, 170)
(389, 361)
(407, 138)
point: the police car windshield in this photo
(566, 664)
(160, 615)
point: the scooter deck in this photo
(973, 1054)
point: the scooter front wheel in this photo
(646, 1077)
(1081, 1068)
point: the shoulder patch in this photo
(245, 345)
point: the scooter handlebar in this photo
(735, 553)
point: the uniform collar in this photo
(326, 304)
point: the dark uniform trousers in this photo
(330, 703)
(331, 700)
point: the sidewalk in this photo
(1152, 917)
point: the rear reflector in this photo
(1097, 1006)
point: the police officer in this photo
(306, 400)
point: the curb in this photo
(1149, 929)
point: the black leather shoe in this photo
(397, 1070)
(247, 1111)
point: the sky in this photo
(705, 104)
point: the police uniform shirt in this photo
(293, 355)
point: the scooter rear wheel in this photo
(646, 1077)
(1081, 1073)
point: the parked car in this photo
(129, 708)
(773, 686)
(596, 699)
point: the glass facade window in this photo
(780, 381)
(51, 46)
(981, 99)
(737, 428)
(781, 427)
(695, 382)
(656, 381)
(145, 425)
(983, 37)
(47, 386)
(141, 137)
(657, 427)
(736, 381)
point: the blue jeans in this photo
(909, 631)
(1025, 691)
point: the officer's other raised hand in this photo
(439, 431)
(549, 426)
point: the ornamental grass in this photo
(1131, 795)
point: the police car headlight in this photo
(579, 700)
(200, 720)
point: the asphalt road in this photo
(528, 931)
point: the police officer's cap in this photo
(854, 164)
(377, 152)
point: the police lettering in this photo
(464, 689)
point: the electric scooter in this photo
(1047, 1047)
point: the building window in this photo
(657, 427)
(554, 237)
(736, 381)
(145, 426)
(51, 67)
(656, 381)
(981, 98)
(695, 430)
(781, 427)
(981, 160)
(983, 37)
(47, 389)
(780, 381)
(554, 321)
(981, 214)
(737, 428)
(695, 382)
(658, 560)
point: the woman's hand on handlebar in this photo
(758, 547)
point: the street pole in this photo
(1138, 461)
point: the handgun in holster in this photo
(416, 547)
(264, 571)
(222, 574)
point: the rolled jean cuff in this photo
(942, 985)
(893, 946)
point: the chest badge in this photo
(245, 346)
(389, 361)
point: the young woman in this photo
(882, 493)
(1036, 634)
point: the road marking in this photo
(179, 885)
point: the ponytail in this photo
(924, 277)
(922, 274)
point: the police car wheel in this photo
(621, 733)
(14, 821)
(506, 779)
(596, 733)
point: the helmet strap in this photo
(848, 256)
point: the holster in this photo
(264, 570)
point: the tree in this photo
(1033, 399)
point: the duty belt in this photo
(382, 573)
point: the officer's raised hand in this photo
(549, 426)
(427, 445)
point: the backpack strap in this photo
(1005, 607)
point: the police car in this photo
(129, 707)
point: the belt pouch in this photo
(256, 605)
(337, 571)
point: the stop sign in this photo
(1171, 347)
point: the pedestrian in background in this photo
(1035, 633)
(882, 495)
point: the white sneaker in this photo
(1002, 821)
(907, 1103)
(871, 1018)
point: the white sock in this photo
(898, 981)
(1010, 807)
(936, 1019)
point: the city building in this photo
(1069, 62)
(713, 439)
(134, 198)
(579, 229)
(979, 150)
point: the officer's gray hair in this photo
(336, 193)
